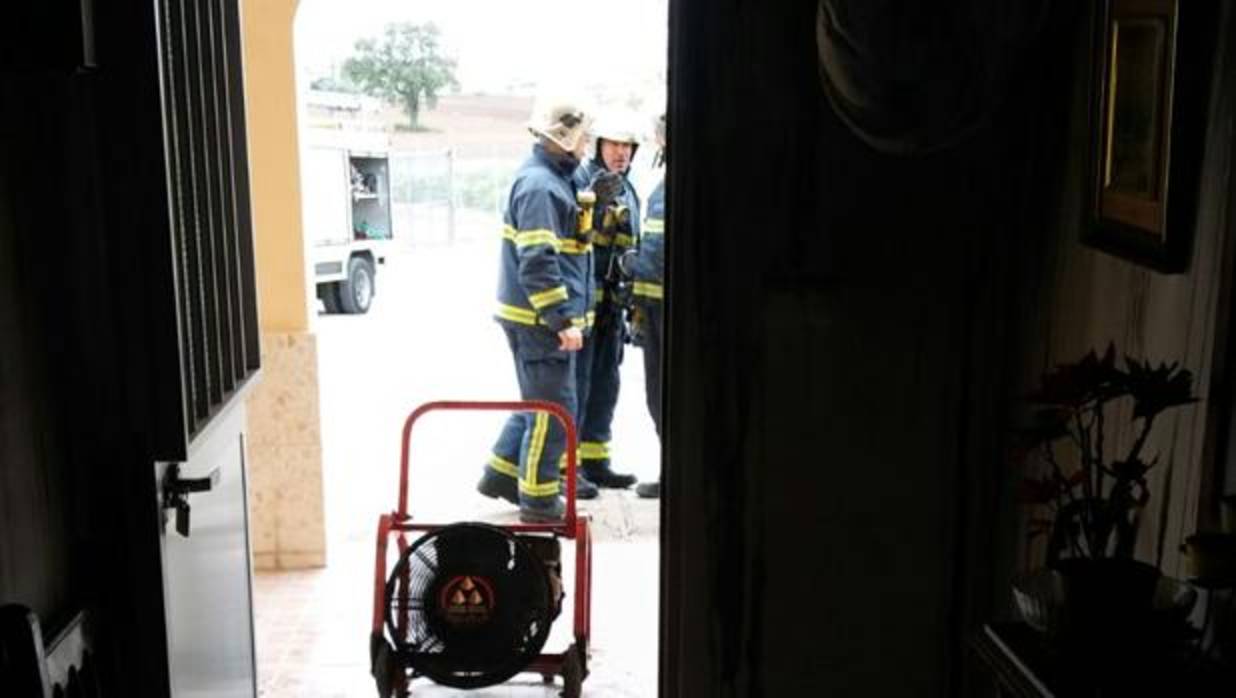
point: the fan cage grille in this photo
(431, 586)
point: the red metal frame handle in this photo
(568, 423)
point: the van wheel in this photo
(329, 293)
(356, 291)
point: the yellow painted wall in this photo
(274, 164)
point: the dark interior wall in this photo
(1078, 298)
(55, 339)
(839, 356)
(34, 506)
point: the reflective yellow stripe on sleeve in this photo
(527, 316)
(624, 240)
(544, 299)
(523, 316)
(528, 238)
(584, 322)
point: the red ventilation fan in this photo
(470, 605)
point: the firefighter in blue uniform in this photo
(648, 313)
(597, 366)
(545, 298)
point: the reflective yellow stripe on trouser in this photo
(588, 450)
(593, 450)
(504, 466)
(530, 484)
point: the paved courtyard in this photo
(427, 337)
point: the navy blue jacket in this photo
(649, 269)
(607, 244)
(546, 268)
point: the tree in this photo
(403, 66)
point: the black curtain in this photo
(841, 331)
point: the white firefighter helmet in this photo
(617, 128)
(562, 121)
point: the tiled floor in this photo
(313, 626)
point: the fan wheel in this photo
(385, 667)
(573, 673)
(469, 605)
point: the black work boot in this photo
(600, 473)
(495, 485)
(550, 511)
(584, 487)
(648, 490)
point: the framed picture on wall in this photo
(1152, 73)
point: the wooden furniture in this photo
(1025, 664)
(31, 668)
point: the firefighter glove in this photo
(607, 186)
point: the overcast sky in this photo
(555, 44)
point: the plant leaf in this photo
(1073, 385)
(1155, 389)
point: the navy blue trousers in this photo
(598, 381)
(532, 446)
(654, 316)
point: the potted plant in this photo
(1092, 491)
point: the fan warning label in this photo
(467, 600)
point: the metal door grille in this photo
(203, 102)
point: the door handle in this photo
(182, 486)
(176, 490)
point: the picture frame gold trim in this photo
(1152, 64)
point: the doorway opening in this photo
(403, 216)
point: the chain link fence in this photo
(441, 197)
